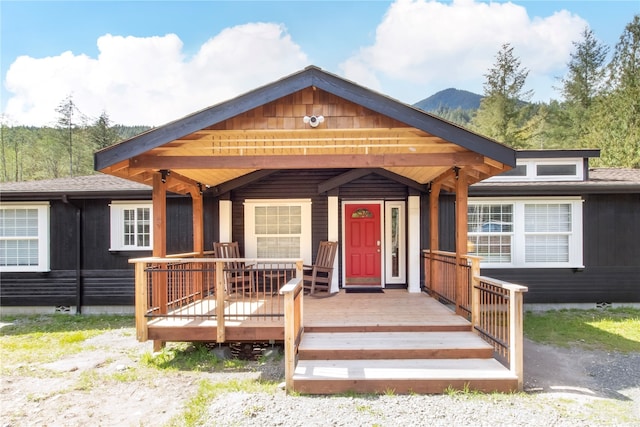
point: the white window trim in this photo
(402, 270)
(43, 237)
(518, 235)
(250, 240)
(531, 175)
(116, 209)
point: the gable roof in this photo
(401, 121)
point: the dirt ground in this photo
(80, 390)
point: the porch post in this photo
(414, 256)
(159, 197)
(434, 232)
(224, 220)
(198, 222)
(462, 193)
(333, 234)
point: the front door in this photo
(362, 244)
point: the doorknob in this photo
(378, 242)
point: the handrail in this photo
(293, 326)
(497, 316)
(187, 287)
(494, 307)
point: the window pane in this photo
(490, 230)
(520, 170)
(129, 222)
(547, 248)
(278, 247)
(19, 223)
(19, 252)
(556, 170)
(547, 217)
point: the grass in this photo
(616, 329)
(46, 338)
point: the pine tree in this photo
(581, 86)
(616, 126)
(504, 110)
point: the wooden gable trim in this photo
(314, 77)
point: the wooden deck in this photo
(392, 311)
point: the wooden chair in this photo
(317, 277)
(238, 275)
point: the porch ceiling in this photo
(212, 156)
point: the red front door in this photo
(362, 245)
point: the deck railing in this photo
(447, 278)
(494, 307)
(293, 327)
(188, 287)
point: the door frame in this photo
(382, 237)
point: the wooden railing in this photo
(293, 327)
(447, 278)
(190, 287)
(494, 307)
(497, 316)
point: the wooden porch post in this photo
(462, 195)
(159, 197)
(434, 236)
(198, 222)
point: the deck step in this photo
(393, 345)
(402, 376)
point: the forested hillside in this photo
(599, 108)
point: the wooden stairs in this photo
(423, 360)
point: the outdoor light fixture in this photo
(313, 121)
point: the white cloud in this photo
(149, 80)
(438, 45)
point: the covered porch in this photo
(309, 145)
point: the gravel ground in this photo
(563, 387)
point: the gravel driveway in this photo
(563, 387)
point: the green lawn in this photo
(608, 329)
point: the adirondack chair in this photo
(317, 277)
(238, 275)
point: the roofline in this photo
(556, 154)
(74, 195)
(561, 189)
(309, 77)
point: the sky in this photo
(152, 62)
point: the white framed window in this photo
(24, 237)
(278, 229)
(131, 228)
(570, 169)
(395, 253)
(545, 233)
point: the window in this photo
(543, 170)
(278, 229)
(24, 237)
(131, 226)
(526, 233)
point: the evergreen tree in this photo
(504, 110)
(66, 109)
(615, 128)
(102, 134)
(582, 85)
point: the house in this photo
(309, 158)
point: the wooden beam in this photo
(198, 222)
(462, 198)
(159, 196)
(307, 161)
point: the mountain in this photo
(450, 99)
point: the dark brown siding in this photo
(107, 277)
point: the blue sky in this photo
(149, 62)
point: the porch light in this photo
(313, 121)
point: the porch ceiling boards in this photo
(264, 130)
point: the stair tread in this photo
(317, 341)
(401, 369)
